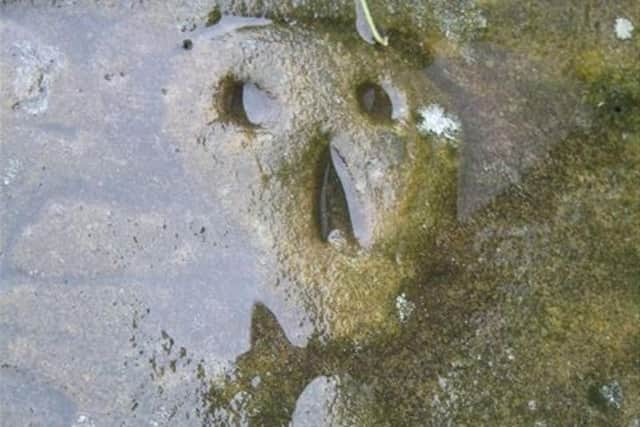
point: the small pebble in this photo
(404, 307)
(612, 394)
(337, 239)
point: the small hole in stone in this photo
(187, 44)
(246, 104)
(231, 105)
(617, 109)
(374, 101)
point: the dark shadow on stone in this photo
(512, 110)
(374, 102)
(230, 102)
(333, 211)
(273, 373)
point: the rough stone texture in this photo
(314, 406)
(160, 260)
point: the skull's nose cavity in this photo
(245, 104)
(374, 102)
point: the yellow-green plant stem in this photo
(384, 41)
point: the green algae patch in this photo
(522, 314)
(307, 164)
(213, 17)
(524, 310)
(429, 202)
(583, 31)
(615, 94)
(534, 304)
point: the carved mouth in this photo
(341, 214)
(334, 219)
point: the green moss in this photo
(581, 278)
(429, 202)
(405, 43)
(536, 298)
(308, 165)
(213, 17)
(616, 96)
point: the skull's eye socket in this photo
(374, 102)
(245, 104)
(230, 102)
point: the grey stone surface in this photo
(29, 401)
(315, 405)
(108, 245)
(140, 224)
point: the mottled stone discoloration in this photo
(117, 319)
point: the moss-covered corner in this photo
(528, 311)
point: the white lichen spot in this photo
(447, 401)
(255, 381)
(612, 394)
(83, 421)
(435, 121)
(532, 405)
(38, 67)
(404, 307)
(443, 383)
(624, 29)
(11, 171)
(510, 356)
